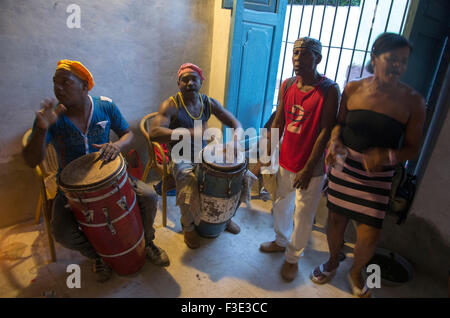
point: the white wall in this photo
(132, 47)
(424, 238)
(432, 199)
(219, 57)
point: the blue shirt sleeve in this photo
(118, 123)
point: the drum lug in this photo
(89, 214)
(202, 183)
(123, 203)
(229, 187)
(108, 221)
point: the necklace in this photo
(190, 115)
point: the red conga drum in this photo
(104, 203)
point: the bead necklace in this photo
(193, 117)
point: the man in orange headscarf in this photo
(78, 125)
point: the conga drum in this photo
(104, 203)
(220, 185)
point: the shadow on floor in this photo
(225, 258)
(26, 271)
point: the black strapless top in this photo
(366, 129)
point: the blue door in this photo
(257, 30)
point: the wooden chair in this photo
(46, 172)
(152, 163)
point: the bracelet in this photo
(392, 157)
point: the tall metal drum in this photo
(220, 185)
(104, 203)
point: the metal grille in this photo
(346, 28)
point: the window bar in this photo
(300, 26)
(389, 16)
(356, 39)
(331, 36)
(312, 17)
(370, 35)
(285, 46)
(403, 19)
(323, 16)
(301, 19)
(342, 41)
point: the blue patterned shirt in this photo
(70, 143)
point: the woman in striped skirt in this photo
(380, 123)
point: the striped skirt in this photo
(358, 194)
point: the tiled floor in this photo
(228, 266)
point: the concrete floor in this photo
(228, 266)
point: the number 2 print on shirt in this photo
(296, 117)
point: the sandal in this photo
(358, 292)
(326, 276)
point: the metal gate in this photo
(346, 28)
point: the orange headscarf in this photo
(78, 69)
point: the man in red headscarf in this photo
(181, 111)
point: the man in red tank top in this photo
(306, 113)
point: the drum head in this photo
(215, 156)
(86, 171)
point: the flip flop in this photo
(358, 292)
(327, 276)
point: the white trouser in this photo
(293, 213)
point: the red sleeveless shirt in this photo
(302, 111)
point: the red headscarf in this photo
(189, 67)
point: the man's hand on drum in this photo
(48, 114)
(108, 151)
